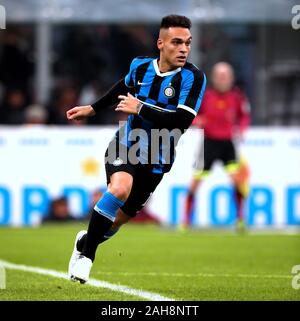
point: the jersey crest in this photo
(169, 92)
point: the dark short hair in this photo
(174, 20)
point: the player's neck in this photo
(164, 66)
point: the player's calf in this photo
(102, 219)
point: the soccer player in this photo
(157, 93)
(224, 114)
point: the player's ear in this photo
(159, 43)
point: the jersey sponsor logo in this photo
(118, 162)
(169, 92)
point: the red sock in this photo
(239, 199)
(189, 204)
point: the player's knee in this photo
(120, 191)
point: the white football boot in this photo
(81, 269)
(75, 254)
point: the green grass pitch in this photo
(195, 265)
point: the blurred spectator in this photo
(35, 114)
(91, 93)
(59, 211)
(99, 65)
(13, 106)
(15, 65)
(135, 37)
(215, 46)
(80, 65)
(62, 100)
(88, 93)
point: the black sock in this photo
(98, 226)
(81, 242)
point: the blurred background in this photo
(56, 54)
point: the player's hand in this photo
(80, 112)
(128, 104)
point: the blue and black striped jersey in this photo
(181, 88)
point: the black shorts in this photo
(213, 150)
(144, 183)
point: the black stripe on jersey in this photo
(162, 105)
(176, 84)
(136, 122)
(155, 87)
(142, 98)
(191, 99)
(140, 73)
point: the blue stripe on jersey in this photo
(145, 86)
(188, 76)
(129, 78)
(198, 104)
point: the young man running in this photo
(162, 93)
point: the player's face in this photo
(222, 77)
(174, 44)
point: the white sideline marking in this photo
(97, 283)
(204, 275)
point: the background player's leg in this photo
(105, 211)
(239, 198)
(235, 169)
(190, 200)
(198, 177)
(240, 182)
(202, 168)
